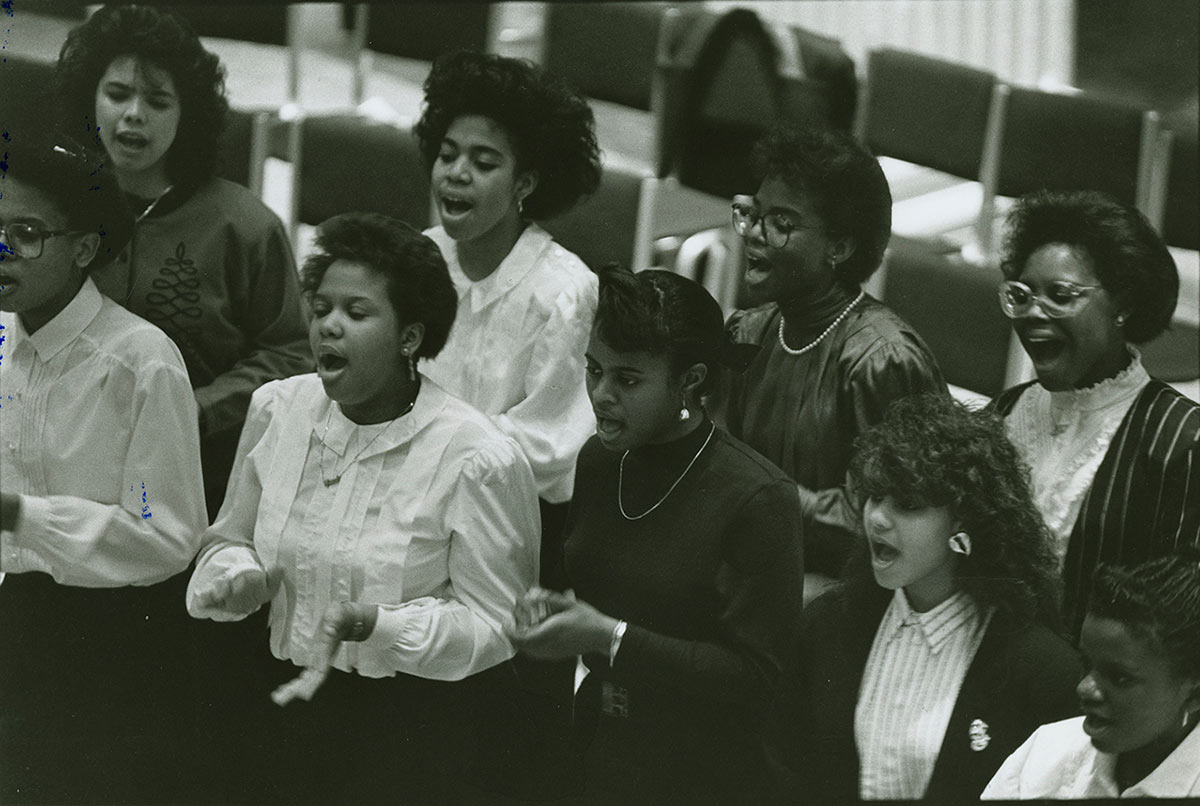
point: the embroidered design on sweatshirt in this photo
(173, 306)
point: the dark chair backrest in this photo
(600, 229)
(25, 86)
(605, 50)
(1060, 141)
(1181, 226)
(926, 111)
(348, 162)
(952, 305)
(425, 31)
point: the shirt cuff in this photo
(34, 518)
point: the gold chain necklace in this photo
(819, 339)
(621, 480)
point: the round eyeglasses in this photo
(777, 228)
(1058, 300)
(26, 240)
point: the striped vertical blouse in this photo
(911, 681)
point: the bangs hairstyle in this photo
(845, 183)
(931, 451)
(78, 184)
(418, 282)
(159, 38)
(551, 126)
(1130, 259)
(1160, 598)
(663, 313)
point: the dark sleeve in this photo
(895, 369)
(760, 585)
(274, 329)
(1177, 514)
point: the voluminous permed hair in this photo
(157, 37)
(931, 451)
(661, 312)
(845, 183)
(551, 126)
(418, 282)
(77, 182)
(1128, 256)
(1160, 597)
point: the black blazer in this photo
(1022, 676)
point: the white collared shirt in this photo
(1064, 436)
(516, 351)
(1059, 761)
(911, 681)
(99, 436)
(434, 518)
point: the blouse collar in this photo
(335, 429)
(520, 260)
(812, 316)
(67, 324)
(1107, 392)
(936, 624)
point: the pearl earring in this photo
(684, 414)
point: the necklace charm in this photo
(329, 482)
(818, 339)
(671, 489)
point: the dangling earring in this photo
(960, 543)
(412, 369)
(684, 414)
(521, 206)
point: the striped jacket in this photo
(1144, 501)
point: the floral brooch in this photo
(979, 735)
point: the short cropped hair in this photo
(1128, 256)
(81, 186)
(1160, 597)
(419, 284)
(661, 312)
(157, 37)
(847, 187)
(551, 126)
(931, 451)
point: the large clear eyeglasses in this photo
(777, 228)
(1058, 300)
(26, 240)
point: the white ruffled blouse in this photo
(1063, 436)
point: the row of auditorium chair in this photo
(696, 87)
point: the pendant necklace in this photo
(671, 489)
(329, 482)
(819, 339)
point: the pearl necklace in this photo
(820, 338)
(329, 482)
(671, 489)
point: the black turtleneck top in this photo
(710, 584)
(804, 412)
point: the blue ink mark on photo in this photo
(7, 5)
(145, 507)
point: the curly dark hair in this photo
(1128, 256)
(160, 38)
(846, 184)
(419, 284)
(661, 312)
(931, 451)
(79, 184)
(551, 126)
(1160, 597)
